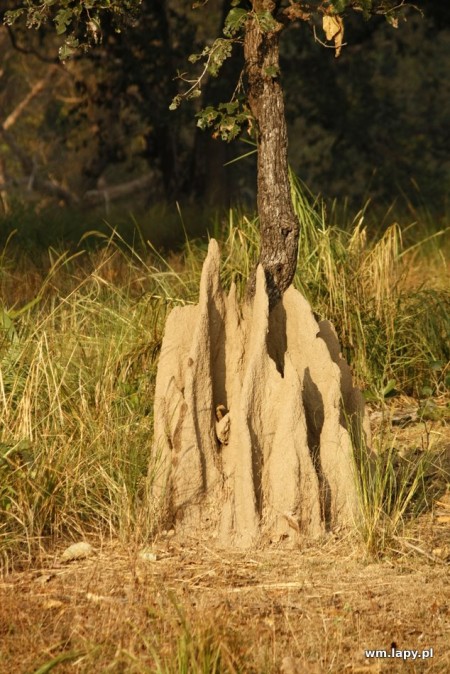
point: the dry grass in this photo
(196, 611)
(79, 341)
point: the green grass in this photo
(76, 400)
(79, 341)
(395, 487)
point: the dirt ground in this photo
(195, 609)
(322, 607)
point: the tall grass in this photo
(76, 385)
(395, 487)
(392, 333)
(79, 346)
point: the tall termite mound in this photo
(251, 419)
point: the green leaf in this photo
(11, 16)
(229, 107)
(175, 103)
(206, 117)
(389, 390)
(7, 329)
(209, 112)
(63, 657)
(339, 5)
(266, 21)
(226, 120)
(69, 48)
(219, 52)
(272, 71)
(195, 93)
(234, 21)
(63, 19)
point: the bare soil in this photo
(322, 606)
(315, 609)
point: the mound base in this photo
(252, 415)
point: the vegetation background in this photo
(107, 200)
(371, 125)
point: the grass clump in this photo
(392, 332)
(395, 487)
(394, 329)
(79, 341)
(76, 384)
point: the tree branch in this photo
(31, 52)
(34, 91)
(35, 181)
(97, 197)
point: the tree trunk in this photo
(278, 223)
(163, 139)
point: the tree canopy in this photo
(105, 112)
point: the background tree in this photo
(115, 122)
(254, 406)
(377, 119)
(109, 120)
(261, 24)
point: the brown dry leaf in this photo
(333, 27)
(53, 603)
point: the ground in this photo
(323, 606)
(191, 608)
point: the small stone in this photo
(147, 555)
(77, 551)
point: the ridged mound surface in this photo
(252, 412)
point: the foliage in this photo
(79, 21)
(77, 367)
(99, 122)
(68, 17)
(75, 413)
(227, 118)
(381, 120)
(270, 21)
(377, 119)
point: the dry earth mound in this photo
(252, 416)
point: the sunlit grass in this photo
(79, 342)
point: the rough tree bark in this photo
(278, 223)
